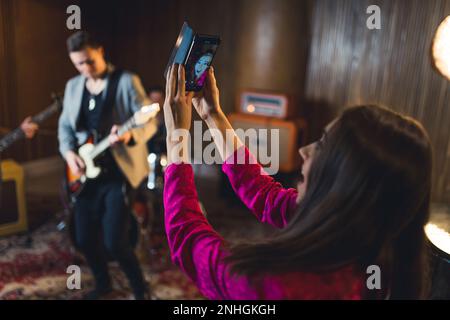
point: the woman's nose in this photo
(303, 152)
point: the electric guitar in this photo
(90, 152)
(18, 133)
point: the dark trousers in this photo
(101, 211)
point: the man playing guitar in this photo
(95, 102)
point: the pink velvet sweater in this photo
(199, 250)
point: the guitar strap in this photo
(109, 114)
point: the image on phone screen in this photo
(198, 62)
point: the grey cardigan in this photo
(130, 96)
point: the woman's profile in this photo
(363, 201)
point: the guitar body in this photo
(92, 171)
(75, 182)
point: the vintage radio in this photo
(13, 213)
(291, 135)
(265, 104)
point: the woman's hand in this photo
(206, 102)
(177, 115)
(177, 105)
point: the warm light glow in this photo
(438, 237)
(441, 48)
(250, 108)
(163, 161)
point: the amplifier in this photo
(13, 214)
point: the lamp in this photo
(441, 48)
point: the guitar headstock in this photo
(146, 113)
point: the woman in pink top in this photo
(363, 200)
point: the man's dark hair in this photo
(81, 40)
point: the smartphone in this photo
(199, 59)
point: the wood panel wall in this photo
(350, 64)
(140, 37)
(326, 56)
(33, 64)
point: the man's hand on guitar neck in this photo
(75, 163)
(29, 127)
(114, 139)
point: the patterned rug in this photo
(34, 267)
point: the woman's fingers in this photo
(210, 82)
(172, 82)
(190, 97)
(178, 101)
(168, 116)
(181, 92)
(168, 81)
(211, 77)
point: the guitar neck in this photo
(10, 138)
(18, 133)
(103, 145)
(44, 115)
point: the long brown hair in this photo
(366, 202)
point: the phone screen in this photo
(199, 60)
